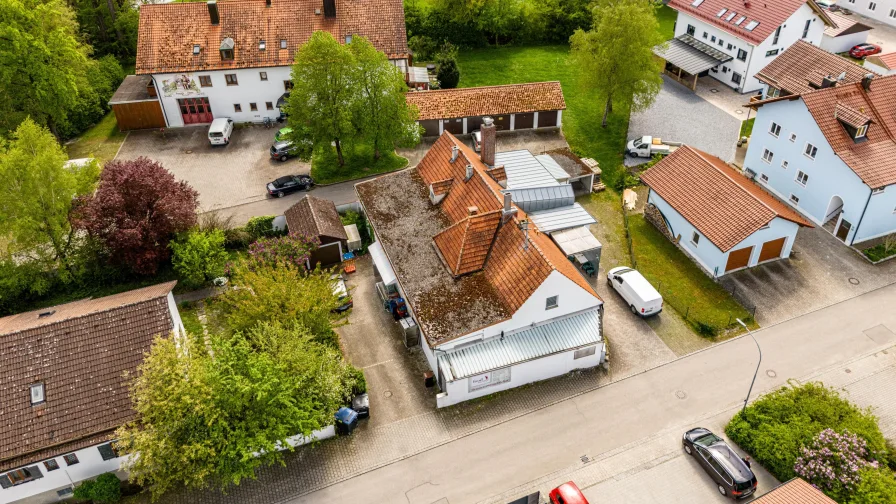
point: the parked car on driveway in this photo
(731, 473)
(341, 292)
(862, 50)
(290, 183)
(282, 150)
(567, 493)
(648, 146)
(220, 130)
(281, 134)
(641, 297)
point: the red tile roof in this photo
(845, 25)
(488, 100)
(722, 204)
(795, 491)
(167, 32)
(802, 67)
(850, 116)
(315, 217)
(405, 222)
(769, 14)
(886, 60)
(80, 352)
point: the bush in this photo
(293, 250)
(876, 486)
(351, 217)
(199, 256)
(833, 463)
(774, 428)
(261, 227)
(103, 76)
(357, 382)
(448, 73)
(106, 488)
(705, 330)
(423, 47)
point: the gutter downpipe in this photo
(859, 225)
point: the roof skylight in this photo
(751, 25)
(740, 20)
(721, 12)
(195, 48)
(696, 3)
(730, 16)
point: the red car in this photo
(862, 50)
(567, 493)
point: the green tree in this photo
(448, 73)
(199, 256)
(625, 75)
(320, 103)
(211, 414)
(36, 198)
(381, 113)
(876, 486)
(110, 26)
(281, 292)
(43, 63)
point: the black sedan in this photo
(290, 183)
(731, 473)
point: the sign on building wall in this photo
(185, 85)
(488, 379)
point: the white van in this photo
(220, 130)
(641, 297)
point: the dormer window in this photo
(861, 131)
(37, 394)
(854, 121)
(282, 43)
(261, 45)
(196, 48)
(226, 48)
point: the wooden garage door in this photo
(772, 249)
(547, 119)
(455, 126)
(739, 258)
(524, 121)
(502, 122)
(473, 123)
(430, 127)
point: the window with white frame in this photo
(810, 151)
(794, 199)
(777, 34)
(793, 137)
(695, 238)
(861, 131)
(784, 164)
(742, 55)
(552, 302)
(691, 30)
(767, 156)
(879, 190)
(705, 35)
(892, 13)
(872, 6)
(806, 28)
(763, 178)
(37, 393)
(801, 178)
(773, 52)
(775, 129)
(584, 352)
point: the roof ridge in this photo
(437, 91)
(307, 199)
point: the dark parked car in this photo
(282, 150)
(290, 183)
(731, 473)
(862, 50)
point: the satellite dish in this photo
(841, 76)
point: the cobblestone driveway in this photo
(225, 176)
(679, 115)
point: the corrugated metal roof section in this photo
(575, 240)
(534, 199)
(691, 55)
(523, 170)
(558, 336)
(561, 218)
(553, 167)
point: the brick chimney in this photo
(213, 12)
(487, 149)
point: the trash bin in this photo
(361, 404)
(429, 379)
(346, 420)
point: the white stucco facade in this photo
(844, 43)
(879, 10)
(706, 254)
(757, 56)
(830, 181)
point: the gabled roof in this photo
(886, 60)
(168, 32)
(80, 351)
(846, 114)
(802, 67)
(405, 223)
(465, 245)
(795, 491)
(487, 100)
(844, 25)
(768, 14)
(725, 206)
(315, 217)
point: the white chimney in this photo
(469, 173)
(454, 152)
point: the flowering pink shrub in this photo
(833, 462)
(293, 249)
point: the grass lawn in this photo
(584, 110)
(746, 127)
(189, 314)
(102, 141)
(667, 16)
(359, 163)
(683, 285)
(610, 230)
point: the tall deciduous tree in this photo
(616, 57)
(43, 63)
(320, 103)
(36, 195)
(135, 212)
(381, 112)
(210, 414)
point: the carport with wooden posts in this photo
(687, 59)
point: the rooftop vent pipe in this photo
(454, 152)
(469, 173)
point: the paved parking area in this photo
(881, 34)
(225, 176)
(680, 115)
(821, 271)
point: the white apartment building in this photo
(731, 40)
(879, 10)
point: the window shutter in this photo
(34, 472)
(106, 451)
(5, 482)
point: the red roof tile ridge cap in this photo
(703, 155)
(454, 90)
(307, 199)
(95, 312)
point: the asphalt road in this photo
(647, 409)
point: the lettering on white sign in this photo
(488, 379)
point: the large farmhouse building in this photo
(233, 59)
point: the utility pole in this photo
(741, 322)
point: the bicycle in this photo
(268, 123)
